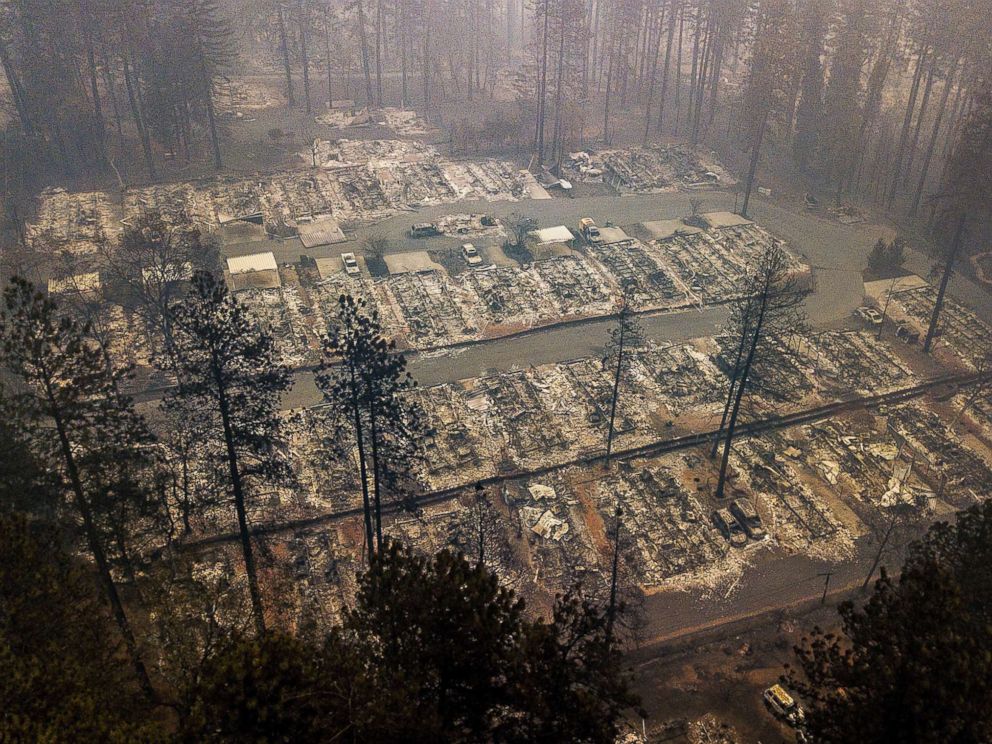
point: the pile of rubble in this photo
(470, 225)
(856, 361)
(652, 169)
(400, 121)
(244, 96)
(360, 181)
(959, 328)
(799, 519)
(74, 223)
(710, 264)
(955, 472)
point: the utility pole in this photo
(881, 549)
(826, 585)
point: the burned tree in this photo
(75, 419)
(965, 198)
(773, 63)
(627, 335)
(150, 266)
(230, 382)
(364, 382)
(763, 343)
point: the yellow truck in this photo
(589, 231)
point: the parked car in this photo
(424, 230)
(748, 518)
(783, 705)
(729, 527)
(869, 315)
(350, 263)
(471, 255)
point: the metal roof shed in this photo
(254, 270)
(558, 234)
(252, 262)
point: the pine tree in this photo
(367, 393)
(230, 383)
(61, 678)
(914, 663)
(76, 420)
(768, 313)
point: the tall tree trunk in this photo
(611, 609)
(542, 86)
(96, 547)
(906, 123)
(327, 58)
(616, 387)
(139, 122)
(920, 117)
(752, 169)
(678, 72)
(212, 120)
(715, 77)
(378, 52)
(376, 473)
(653, 76)
(558, 145)
(16, 90)
(284, 47)
(701, 84)
(732, 387)
(952, 255)
(356, 410)
(741, 387)
(237, 487)
(676, 9)
(101, 127)
(694, 70)
(404, 41)
(928, 158)
(427, 60)
(366, 64)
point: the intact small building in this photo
(254, 270)
(558, 234)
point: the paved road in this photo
(836, 251)
(542, 347)
(772, 581)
